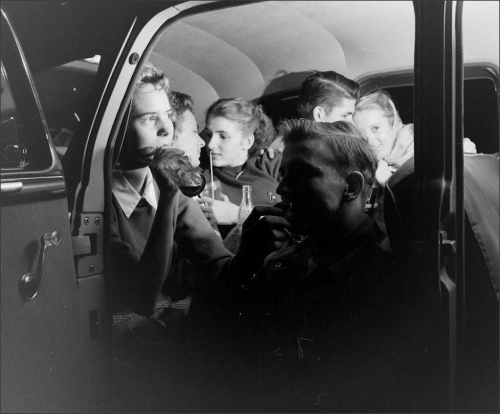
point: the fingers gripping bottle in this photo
(246, 205)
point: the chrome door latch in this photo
(30, 282)
(448, 247)
(87, 241)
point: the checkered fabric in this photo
(167, 314)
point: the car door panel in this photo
(43, 367)
(44, 359)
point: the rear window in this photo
(480, 111)
(13, 154)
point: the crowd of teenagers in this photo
(298, 309)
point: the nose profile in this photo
(165, 126)
(200, 141)
(212, 142)
(165, 129)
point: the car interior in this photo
(262, 51)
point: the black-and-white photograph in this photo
(250, 206)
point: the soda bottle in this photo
(190, 181)
(246, 205)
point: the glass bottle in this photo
(246, 205)
(191, 182)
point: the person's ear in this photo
(318, 114)
(355, 185)
(248, 142)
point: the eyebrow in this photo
(148, 113)
(220, 131)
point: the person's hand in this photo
(371, 204)
(219, 212)
(264, 231)
(277, 146)
(469, 146)
(166, 177)
(383, 172)
(267, 150)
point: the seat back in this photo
(466, 330)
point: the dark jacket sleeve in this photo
(197, 242)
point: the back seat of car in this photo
(476, 310)
(481, 200)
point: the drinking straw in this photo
(212, 175)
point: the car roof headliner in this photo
(269, 47)
(266, 47)
(261, 42)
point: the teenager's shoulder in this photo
(264, 163)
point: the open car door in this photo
(44, 363)
(441, 251)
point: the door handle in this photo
(30, 282)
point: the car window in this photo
(63, 92)
(481, 48)
(12, 143)
(480, 111)
(481, 54)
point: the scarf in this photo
(402, 149)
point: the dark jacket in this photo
(260, 172)
(313, 333)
